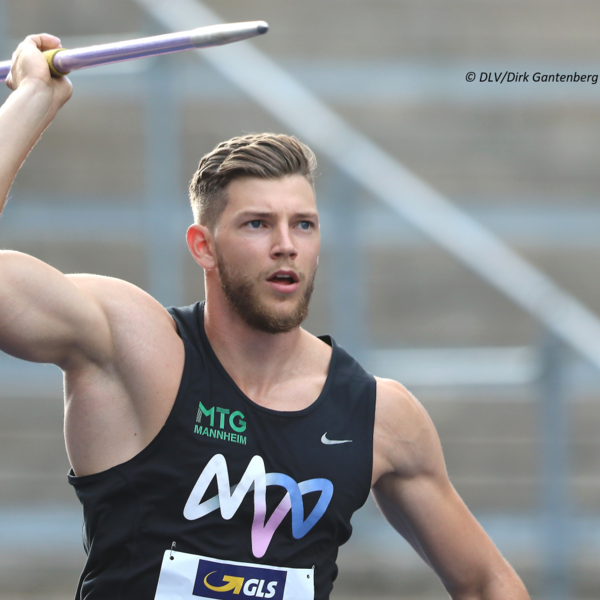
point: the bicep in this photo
(44, 315)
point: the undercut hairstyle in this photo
(261, 155)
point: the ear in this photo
(201, 245)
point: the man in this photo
(220, 450)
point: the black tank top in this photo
(301, 476)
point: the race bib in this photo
(190, 577)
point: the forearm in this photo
(499, 586)
(36, 98)
(23, 118)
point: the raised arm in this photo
(35, 100)
(412, 489)
(118, 346)
(44, 315)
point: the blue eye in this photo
(255, 224)
(305, 225)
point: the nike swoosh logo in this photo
(329, 442)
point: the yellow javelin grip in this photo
(49, 55)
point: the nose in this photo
(283, 243)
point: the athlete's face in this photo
(267, 248)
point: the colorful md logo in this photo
(230, 498)
(235, 582)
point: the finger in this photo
(40, 41)
(43, 41)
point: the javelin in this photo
(62, 61)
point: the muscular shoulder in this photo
(405, 440)
(132, 389)
(135, 321)
(72, 321)
(119, 298)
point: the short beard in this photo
(240, 292)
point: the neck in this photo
(257, 361)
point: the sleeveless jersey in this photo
(230, 480)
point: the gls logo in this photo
(230, 582)
(229, 501)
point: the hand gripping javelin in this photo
(62, 61)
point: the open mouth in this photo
(283, 278)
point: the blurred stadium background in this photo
(516, 407)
